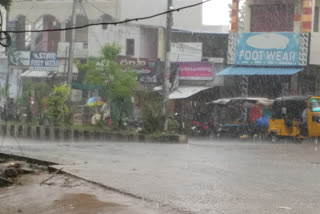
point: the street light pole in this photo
(167, 66)
(73, 24)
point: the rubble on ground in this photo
(11, 170)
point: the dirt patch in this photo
(84, 203)
(29, 188)
(67, 195)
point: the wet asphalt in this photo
(204, 176)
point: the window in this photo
(315, 105)
(130, 47)
(316, 19)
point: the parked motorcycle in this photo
(180, 122)
(206, 126)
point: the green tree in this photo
(35, 91)
(151, 112)
(58, 112)
(6, 3)
(118, 81)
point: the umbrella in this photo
(95, 101)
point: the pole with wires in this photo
(166, 75)
(71, 52)
(8, 57)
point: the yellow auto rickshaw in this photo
(297, 117)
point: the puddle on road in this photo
(83, 203)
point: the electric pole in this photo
(73, 24)
(167, 72)
(8, 57)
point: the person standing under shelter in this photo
(304, 124)
(105, 111)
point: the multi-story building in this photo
(50, 14)
(37, 15)
(138, 39)
(277, 54)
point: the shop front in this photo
(267, 64)
(197, 85)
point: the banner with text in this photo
(146, 68)
(42, 61)
(195, 70)
(268, 49)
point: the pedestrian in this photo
(105, 111)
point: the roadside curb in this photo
(27, 159)
(67, 134)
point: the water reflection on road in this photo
(204, 176)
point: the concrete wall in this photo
(145, 39)
(314, 49)
(149, 42)
(190, 19)
(61, 9)
(316, 3)
(315, 40)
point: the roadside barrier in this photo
(58, 134)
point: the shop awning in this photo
(248, 71)
(256, 100)
(185, 92)
(36, 74)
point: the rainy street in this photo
(199, 177)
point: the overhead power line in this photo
(112, 22)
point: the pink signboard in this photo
(195, 70)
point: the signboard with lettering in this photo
(19, 58)
(43, 61)
(195, 70)
(268, 49)
(145, 67)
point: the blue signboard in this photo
(44, 61)
(268, 49)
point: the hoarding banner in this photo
(196, 70)
(145, 67)
(268, 49)
(43, 61)
(19, 58)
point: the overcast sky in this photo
(216, 12)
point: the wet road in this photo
(201, 177)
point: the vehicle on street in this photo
(295, 117)
(242, 117)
